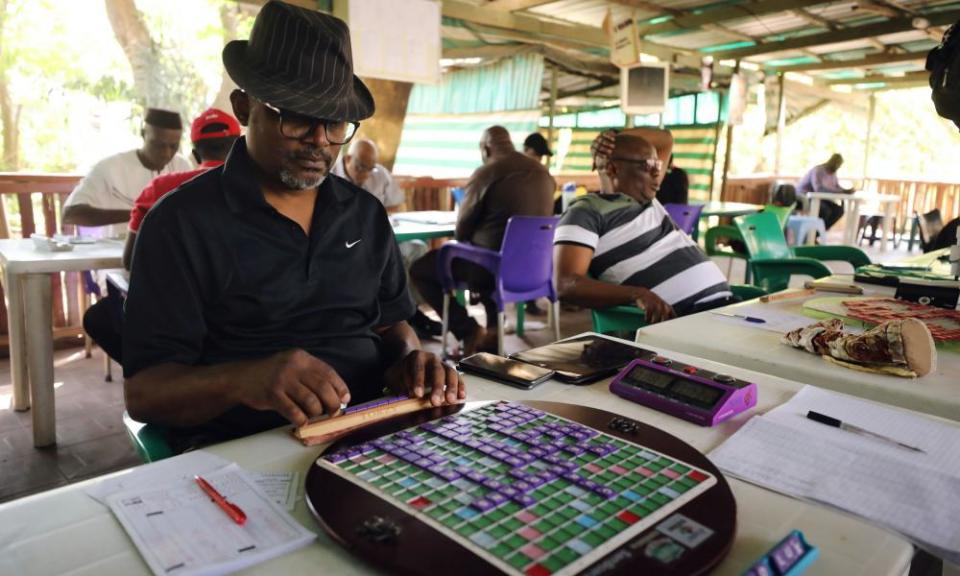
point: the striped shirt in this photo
(639, 245)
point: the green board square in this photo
(452, 521)
(541, 510)
(658, 497)
(553, 563)
(540, 495)
(617, 525)
(498, 531)
(496, 514)
(681, 488)
(620, 502)
(501, 550)
(608, 477)
(574, 529)
(564, 497)
(567, 554)
(515, 541)
(513, 524)
(569, 512)
(482, 521)
(641, 490)
(437, 512)
(592, 499)
(466, 530)
(544, 526)
(680, 468)
(510, 507)
(609, 508)
(550, 488)
(605, 531)
(556, 518)
(664, 462)
(518, 560)
(593, 539)
(549, 543)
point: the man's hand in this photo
(420, 371)
(296, 384)
(602, 147)
(656, 309)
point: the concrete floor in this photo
(90, 433)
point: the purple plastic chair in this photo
(523, 269)
(685, 216)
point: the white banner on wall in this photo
(396, 39)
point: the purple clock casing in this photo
(684, 391)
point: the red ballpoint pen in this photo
(232, 510)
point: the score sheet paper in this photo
(179, 530)
(912, 493)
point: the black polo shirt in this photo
(219, 275)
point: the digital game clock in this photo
(700, 396)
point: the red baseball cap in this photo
(213, 116)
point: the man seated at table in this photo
(106, 194)
(212, 133)
(361, 167)
(623, 248)
(823, 178)
(508, 184)
(264, 291)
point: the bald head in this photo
(634, 168)
(361, 160)
(495, 142)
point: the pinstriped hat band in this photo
(299, 60)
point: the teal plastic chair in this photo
(713, 235)
(629, 318)
(149, 440)
(772, 261)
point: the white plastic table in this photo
(26, 284)
(725, 340)
(64, 530)
(851, 206)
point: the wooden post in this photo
(781, 120)
(866, 146)
(553, 105)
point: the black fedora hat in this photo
(299, 60)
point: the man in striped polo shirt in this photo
(623, 248)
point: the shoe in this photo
(424, 326)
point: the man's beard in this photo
(294, 182)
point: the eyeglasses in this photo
(646, 164)
(299, 127)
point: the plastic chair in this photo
(731, 233)
(523, 269)
(928, 226)
(685, 216)
(772, 261)
(149, 440)
(628, 318)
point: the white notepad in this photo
(179, 531)
(915, 494)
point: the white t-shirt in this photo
(379, 183)
(115, 182)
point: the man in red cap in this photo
(213, 134)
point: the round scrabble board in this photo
(532, 488)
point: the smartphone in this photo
(506, 370)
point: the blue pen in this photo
(752, 319)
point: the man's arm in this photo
(662, 140)
(127, 258)
(294, 383)
(413, 371)
(571, 266)
(86, 215)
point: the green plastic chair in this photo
(772, 261)
(149, 440)
(629, 318)
(713, 235)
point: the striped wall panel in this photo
(694, 150)
(448, 145)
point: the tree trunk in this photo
(141, 50)
(228, 19)
(9, 112)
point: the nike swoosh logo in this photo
(352, 244)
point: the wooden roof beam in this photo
(866, 62)
(909, 78)
(543, 29)
(693, 20)
(836, 36)
(516, 5)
